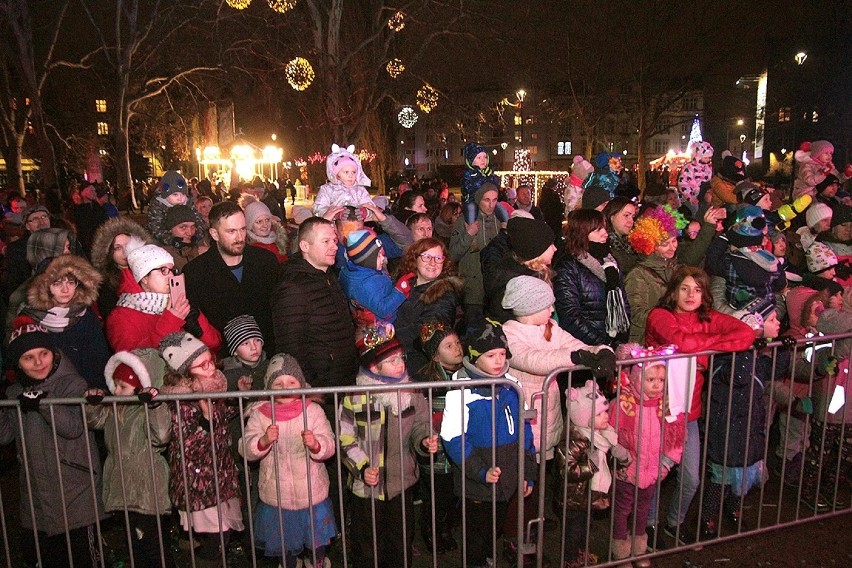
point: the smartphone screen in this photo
(177, 287)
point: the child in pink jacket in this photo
(655, 443)
(299, 494)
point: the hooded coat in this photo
(465, 249)
(116, 281)
(334, 193)
(70, 481)
(130, 480)
(473, 177)
(645, 285)
(82, 340)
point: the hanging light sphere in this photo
(397, 22)
(427, 98)
(299, 73)
(395, 67)
(407, 117)
(281, 6)
(238, 4)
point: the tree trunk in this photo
(13, 154)
(124, 177)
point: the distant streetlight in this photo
(742, 138)
(521, 94)
(800, 57)
(274, 137)
(740, 122)
(504, 145)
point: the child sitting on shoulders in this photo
(347, 183)
(291, 468)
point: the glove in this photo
(805, 405)
(29, 400)
(760, 343)
(191, 324)
(602, 363)
(612, 278)
(95, 396)
(829, 366)
(621, 455)
(788, 341)
(147, 395)
(843, 270)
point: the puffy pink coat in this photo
(533, 357)
(293, 468)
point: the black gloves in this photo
(95, 396)
(788, 341)
(613, 280)
(29, 400)
(191, 324)
(602, 363)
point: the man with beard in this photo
(232, 279)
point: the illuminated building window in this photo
(533, 149)
(784, 114)
(563, 148)
(103, 129)
(102, 152)
(518, 135)
(814, 116)
(100, 105)
(518, 120)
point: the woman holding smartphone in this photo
(142, 319)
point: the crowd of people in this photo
(357, 291)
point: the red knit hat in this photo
(127, 375)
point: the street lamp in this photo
(521, 94)
(800, 57)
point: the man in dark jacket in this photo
(310, 311)
(88, 216)
(232, 279)
(18, 268)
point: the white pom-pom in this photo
(133, 243)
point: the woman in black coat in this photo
(428, 278)
(590, 301)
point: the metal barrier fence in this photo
(742, 393)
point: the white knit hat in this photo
(816, 213)
(143, 258)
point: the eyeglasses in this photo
(39, 218)
(395, 359)
(165, 270)
(72, 282)
(439, 259)
(203, 366)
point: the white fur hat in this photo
(143, 258)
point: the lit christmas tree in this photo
(694, 135)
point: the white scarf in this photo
(392, 399)
(267, 240)
(145, 302)
(603, 441)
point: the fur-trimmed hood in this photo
(106, 233)
(38, 293)
(441, 286)
(146, 363)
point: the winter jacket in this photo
(128, 329)
(723, 191)
(87, 218)
(465, 249)
(182, 252)
(746, 439)
(192, 473)
(645, 285)
(472, 176)
(129, 481)
(116, 280)
(79, 466)
(475, 412)
(157, 210)
(810, 173)
(371, 293)
(691, 176)
(746, 280)
(498, 267)
(334, 194)
(313, 324)
(640, 424)
(16, 267)
(82, 341)
(624, 255)
(605, 178)
(233, 369)
(691, 335)
(581, 303)
(212, 288)
(692, 253)
(438, 300)
(579, 469)
(294, 470)
(533, 358)
(376, 443)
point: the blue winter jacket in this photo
(473, 416)
(372, 290)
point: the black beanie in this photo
(178, 214)
(529, 238)
(432, 333)
(483, 337)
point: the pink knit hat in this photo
(585, 403)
